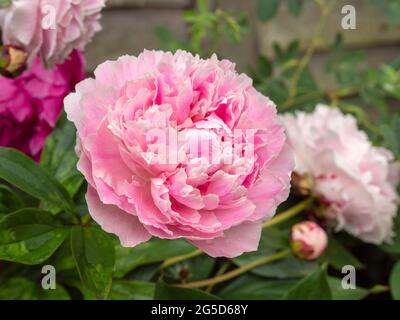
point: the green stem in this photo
(325, 10)
(236, 272)
(291, 212)
(221, 271)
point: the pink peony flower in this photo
(308, 240)
(31, 103)
(175, 146)
(354, 179)
(50, 29)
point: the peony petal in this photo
(235, 241)
(126, 226)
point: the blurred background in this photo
(131, 25)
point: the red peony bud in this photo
(308, 240)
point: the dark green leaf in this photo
(30, 236)
(166, 292)
(267, 9)
(295, 7)
(9, 201)
(19, 288)
(394, 281)
(338, 256)
(338, 293)
(256, 288)
(152, 251)
(313, 287)
(289, 267)
(59, 157)
(93, 251)
(194, 269)
(25, 174)
(132, 290)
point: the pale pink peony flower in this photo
(140, 123)
(31, 103)
(355, 180)
(308, 240)
(50, 29)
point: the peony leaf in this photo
(132, 290)
(338, 256)
(256, 288)
(313, 287)
(267, 9)
(155, 250)
(22, 172)
(289, 267)
(93, 251)
(338, 293)
(166, 292)
(19, 288)
(30, 236)
(59, 157)
(394, 281)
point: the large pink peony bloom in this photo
(355, 180)
(164, 146)
(31, 103)
(50, 29)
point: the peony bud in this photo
(308, 240)
(12, 60)
(302, 183)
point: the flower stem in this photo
(325, 8)
(291, 212)
(236, 272)
(174, 260)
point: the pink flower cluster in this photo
(31, 103)
(354, 179)
(50, 29)
(215, 204)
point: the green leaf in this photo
(59, 157)
(194, 269)
(132, 290)
(25, 174)
(256, 288)
(155, 250)
(289, 267)
(394, 246)
(313, 287)
(338, 256)
(166, 292)
(30, 236)
(19, 288)
(338, 293)
(9, 201)
(93, 251)
(295, 7)
(394, 281)
(267, 9)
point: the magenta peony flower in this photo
(308, 240)
(174, 146)
(31, 103)
(353, 179)
(50, 29)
